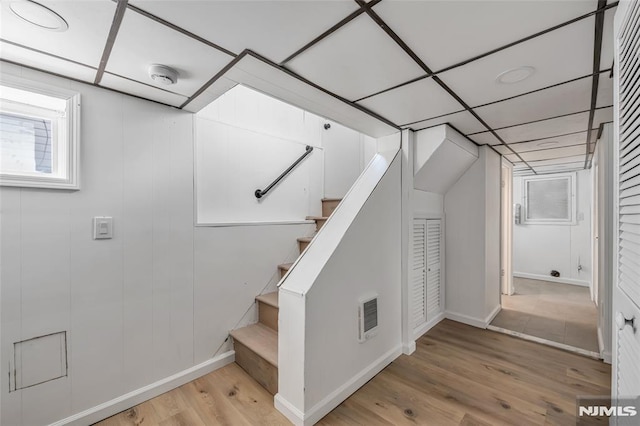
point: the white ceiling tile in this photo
(576, 159)
(142, 42)
(274, 29)
(564, 99)
(549, 154)
(545, 129)
(357, 60)
(141, 90)
(484, 138)
(89, 24)
(413, 102)
(463, 121)
(431, 28)
(606, 54)
(558, 56)
(561, 168)
(46, 63)
(502, 149)
(575, 139)
(605, 90)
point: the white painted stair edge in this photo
(291, 399)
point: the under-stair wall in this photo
(356, 255)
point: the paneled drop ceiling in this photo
(413, 64)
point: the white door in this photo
(626, 295)
(419, 273)
(426, 274)
(434, 276)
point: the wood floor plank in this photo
(459, 375)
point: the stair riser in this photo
(268, 315)
(263, 372)
(328, 207)
(320, 223)
(302, 245)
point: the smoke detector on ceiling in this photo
(163, 74)
(38, 15)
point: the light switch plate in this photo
(102, 228)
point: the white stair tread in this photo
(305, 239)
(271, 298)
(332, 199)
(260, 339)
(317, 218)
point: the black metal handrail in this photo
(262, 192)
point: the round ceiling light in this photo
(163, 74)
(515, 75)
(547, 144)
(38, 15)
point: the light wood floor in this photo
(562, 313)
(459, 375)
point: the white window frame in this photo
(571, 220)
(68, 177)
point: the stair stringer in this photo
(298, 397)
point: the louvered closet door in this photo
(434, 299)
(626, 305)
(418, 293)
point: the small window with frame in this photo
(39, 135)
(550, 200)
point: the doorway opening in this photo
(548, 255)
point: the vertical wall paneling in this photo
(136, 229)
(97, 265)
(10, 297)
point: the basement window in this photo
(550, 200)
(39, 132)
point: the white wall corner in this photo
(294, 415)
(409, 348)
(408, 343)
(121, 403)
(465, 319)
(492, 315)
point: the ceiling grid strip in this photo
(378, 20)
(496, 50)
(111, 39)
(597, 52)
(573, 80)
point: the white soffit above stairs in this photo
(262, 76)
(441, 156)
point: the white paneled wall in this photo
(245, 139)
(158, 298)
(537, 249)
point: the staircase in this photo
(256, 346)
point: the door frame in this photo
(506, 227)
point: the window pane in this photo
(548, 199)
(25, 144)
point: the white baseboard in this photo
(409, 348)
(552, 279)
(418, 332)
(121, 403)
(492, 315)
(469, 320)
(331, 401)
